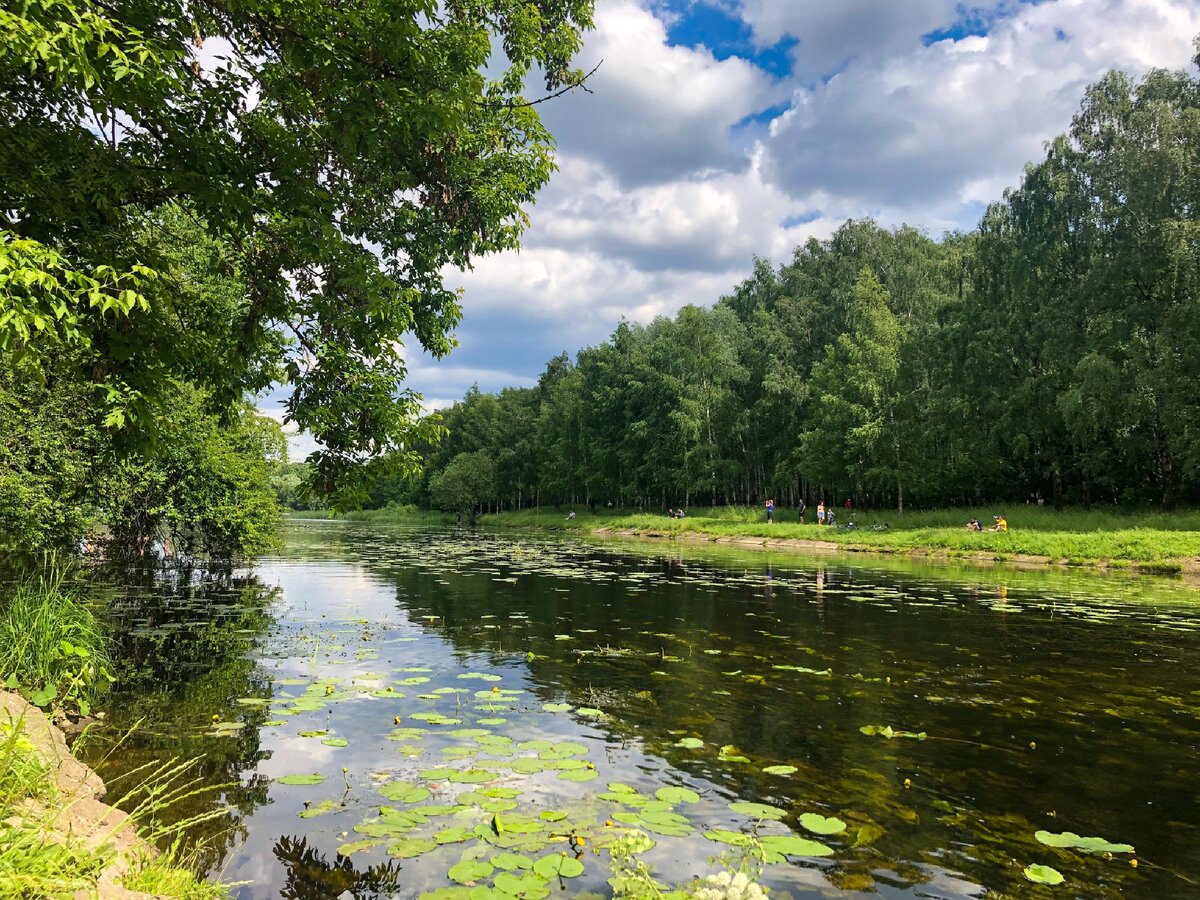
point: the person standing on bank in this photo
(821, 512)
(800, 508)
(770, 511)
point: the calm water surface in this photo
(460, 696)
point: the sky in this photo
(720, 130)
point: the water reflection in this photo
(311, 876)
(1044, 701)
(186, 645)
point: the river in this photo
(387, 712)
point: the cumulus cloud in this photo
(953, 123)
(656, 112)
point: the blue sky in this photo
(721, 130)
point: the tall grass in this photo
(52, 647)
(34, 862)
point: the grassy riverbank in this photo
(56, 838)
(1143, 540)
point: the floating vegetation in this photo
(587, 709)
(1040, 874)
(889, 732)
(1086, 844)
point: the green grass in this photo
(34, 866)
(52, 647)
(30, 864)
(1148, 541)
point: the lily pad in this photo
(689, 743)
(1086, 844)
(889, 732)
(313, 778)
(319, 809)
(675, 795)
(470, 871)
(757, 810)
(1040, 874)
(558, 865)
(357, 846)
(819, 824)
(403, 792)
(791, 845)
(781, 770)
(336, 742)
(410, 848)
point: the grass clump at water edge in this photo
(53, 649)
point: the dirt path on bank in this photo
(73, 813)
(1190, 567)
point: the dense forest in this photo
(1050, 355)
(202, 202)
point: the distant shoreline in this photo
(1106, 540)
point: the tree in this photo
(467, 482)
(855, 434)
(339, 159)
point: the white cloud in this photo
(657, 112)
(953, 123)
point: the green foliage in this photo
(334, 161)
(52, 647)
(207, 491)
(1051, 355)
(470, 478)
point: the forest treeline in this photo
(1051, 354)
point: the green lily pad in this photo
(733, 838)
(319, 809)
(314, 778)
(410, 848)
(511, 861)
(556, 707)
(470, 870)
(336, 742)
(472, 776)
(1040, 874)
(818, 824)
(357, 846)
(1086, 844)
(577, 775)
(757, 810)
(781, 770)
(558, 865)
(791, 845)
(453, 836)
(889, 732)
(675, 795)
(589, 712)
(403, 792)
(689, 743)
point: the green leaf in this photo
(558, 865)
(1040, 874)
(675, 795)
(314, 778)
(757, 810)
(1087, 844)
(470, 870)
(791, 845)
(818, 824)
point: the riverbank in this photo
(1159, 543)
(57, 836)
